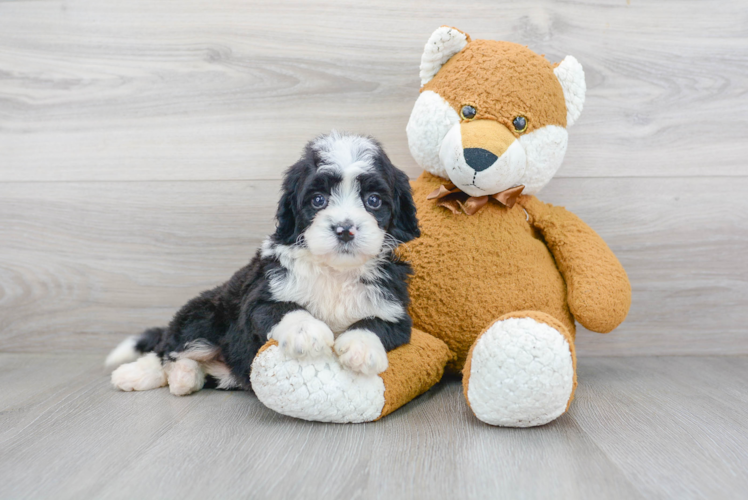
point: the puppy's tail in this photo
(133, 347)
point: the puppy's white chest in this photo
(336, 299)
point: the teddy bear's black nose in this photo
(479, 159)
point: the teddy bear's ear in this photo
(571, 75)
(443, 44)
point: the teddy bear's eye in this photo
(468, 112)
(520, 124)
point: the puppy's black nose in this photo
(479, 159)
(345, 231)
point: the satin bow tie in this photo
(451, 197)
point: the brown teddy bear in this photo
(500, 277)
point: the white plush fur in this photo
(318, 389)
(184, 376)
(361, 351)
(506, 171)
(435, 141)
(432, 117)
(125, 352)
(571, 76)
(544, 150)
(337, 297)
(300, 334)
(443, 44)
(521, 374)
(142, 375)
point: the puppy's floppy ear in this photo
(404, 224)
(286, 230)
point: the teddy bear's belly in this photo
(470, 270)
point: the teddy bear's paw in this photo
(361, 351)
(521, 374)
(318, 389)
(300, 335)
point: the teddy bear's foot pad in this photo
(317, 389)
(521, 373)
(322, 390)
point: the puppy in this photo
(327, 279)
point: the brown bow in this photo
(451, 197)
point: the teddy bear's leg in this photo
(521, 371)
(321, 389)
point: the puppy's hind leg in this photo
(142, 375)
(185, 376)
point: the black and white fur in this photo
(327, 279)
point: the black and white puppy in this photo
(326, 279)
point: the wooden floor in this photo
(640, 427)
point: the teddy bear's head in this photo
(492, 115)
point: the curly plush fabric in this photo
(521, 371)
(599, 292)
(502, 80)
(320, 389)
(470, 270)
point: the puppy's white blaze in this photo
(345, 205)
(341, 151)
(361, 350)
(125, 352)
(184, 376)
(301, 334)
(142, 375)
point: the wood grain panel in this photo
(83, 264)
(146, 90)
(672, 427)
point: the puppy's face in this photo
(345, 202)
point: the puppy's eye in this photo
(374, 201)
(319, 201)
(468, 112)
(520, 124)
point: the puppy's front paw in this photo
(361, 351)
(300, 334)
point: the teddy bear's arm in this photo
(598, 289)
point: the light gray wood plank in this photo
(33, 384)
(639, 428)
(152, 445)
(83, 264)
(162, 90)
(677, 427)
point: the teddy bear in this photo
(500, 278)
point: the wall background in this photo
(142, 143)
